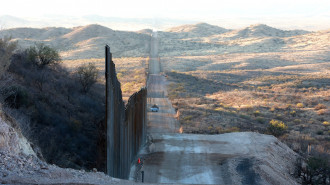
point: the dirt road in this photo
(162, 121)
(175, 158)
(231, 158)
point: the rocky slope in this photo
(20, 165)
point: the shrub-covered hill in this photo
(55, 114)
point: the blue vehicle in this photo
(154, 108)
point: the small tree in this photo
(43, 55)
(87, 76)
(6, 50)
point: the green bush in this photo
(300, 105)
(188, 118)
(319, 132)
(63, 120)
(243, 116)
(315, 169)
(231, 129)
(6, 50)
(42, 55)
(318, 170)
(256, 113)
(293, 113)
(277, 128)
(15, 96)
(87, 76)
(261, 120)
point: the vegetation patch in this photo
(289, 104)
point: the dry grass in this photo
(247, 91)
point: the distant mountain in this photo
(157, 23)
(118, 23)
(7, 21)
(84, 41)
(89, 31)
(35, 33)
(262, 30)
(200, 29)
(145, 31)
(200, 39)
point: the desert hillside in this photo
(199, 39)
(250, 80)
(256, 79)
(197, 30)
(261, 30)
(83, 42)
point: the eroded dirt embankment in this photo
(20, 165)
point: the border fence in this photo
(126, 125)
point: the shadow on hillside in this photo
(257, 63)
(218, 81)
(184, 64)
(199, 86)
(173, 44)
(199, 119)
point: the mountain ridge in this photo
(202, 38)
(135, 24)
(263, 30)
(201, 29)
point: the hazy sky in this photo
(261, 11)
(165, 8)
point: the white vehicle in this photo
(154, 108)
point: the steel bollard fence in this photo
(126, 125)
